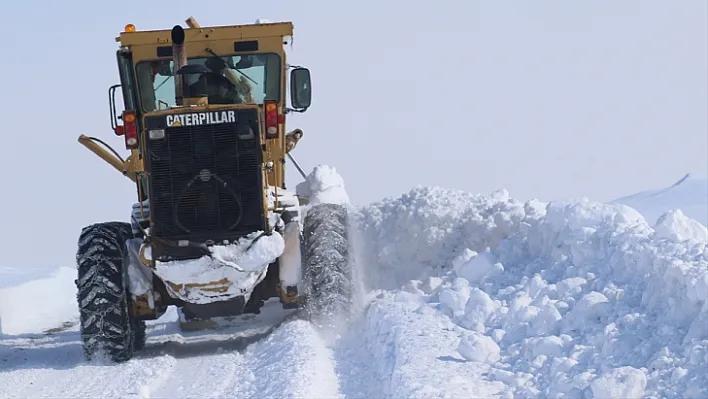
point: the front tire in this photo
(326, 265)
(106, 324)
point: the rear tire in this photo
(106, 324)
(326, 266)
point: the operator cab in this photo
(253, 79)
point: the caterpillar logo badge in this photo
(201, 118)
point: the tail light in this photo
(271, 119)
(130, 129)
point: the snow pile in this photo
(562, 299)
(39, 305)
(323, 185)
(690, 195)
(420, 233)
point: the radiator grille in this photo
(205, 182)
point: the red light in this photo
(271, 119)
(119, 130)
(130, 129)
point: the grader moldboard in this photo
(215, 232)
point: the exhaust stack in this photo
(179, 56)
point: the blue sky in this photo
(549, 99)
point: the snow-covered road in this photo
(466, 296)
(291, 359)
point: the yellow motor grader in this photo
(215, 231)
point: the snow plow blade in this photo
(271, 315)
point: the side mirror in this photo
(300, 88)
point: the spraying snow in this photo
(323, 185)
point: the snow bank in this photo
(575, 299)
(38, 305)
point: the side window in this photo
(125, 68)
(157, 86)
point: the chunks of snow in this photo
(455, 297)
(476, 267)
(551, 347)
(674, 225)
(592, 308)
(621, 382)
(323, 185)
(479, 348)
(478, 309)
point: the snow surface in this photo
(38, 305)
(465, 296)
(689, 194)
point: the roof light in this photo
(130, 28)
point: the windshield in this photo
(238, 79)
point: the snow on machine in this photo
(215, 232)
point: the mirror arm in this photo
(289, 110)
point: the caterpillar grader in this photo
(215, 231)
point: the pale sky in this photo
(548, 99)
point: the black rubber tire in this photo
(106, 324)
(326, 265)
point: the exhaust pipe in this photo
(179, 57)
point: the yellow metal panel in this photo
(234, 32)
